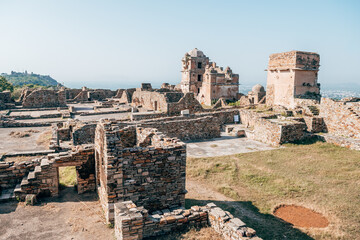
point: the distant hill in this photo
(24, 78)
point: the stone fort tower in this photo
(206, 80)
(292, 79)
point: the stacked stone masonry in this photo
(132, 222)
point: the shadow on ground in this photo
(66, 194)
(267, 226)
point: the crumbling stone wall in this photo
(71, 93)
(133, 222)
(188, 101)
(44, 98)
(270, 129)
(188, 129)
(150, 100)
(83, 134)
(126, 97)
(43, 180)
(341, 117)
(151, 176)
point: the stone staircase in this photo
(354, 112)
(314, 110)
(33, 183)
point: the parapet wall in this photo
(341, 118)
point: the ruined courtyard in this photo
(151, 162)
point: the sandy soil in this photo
(10, 144)
(300, 216)
(71, 216)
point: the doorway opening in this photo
(67, 177)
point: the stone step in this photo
(37, 169)
(31, 175)
(18, 188)
(24, 182)
(44, 162)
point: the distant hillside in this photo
(20, 79)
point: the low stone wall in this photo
(353, 144)
(341, 118)
(315, 124)
(188, 101)
(187, 129)
(16, 124)
(270, 129)
(132, 222)
(143, 116)
(43, 180)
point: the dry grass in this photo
(18, 134)
(44, 139)
(319, 176)
(67, 176)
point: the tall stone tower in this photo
(206, 80)
(292, 79)
(193, 69)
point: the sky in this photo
(120, 44)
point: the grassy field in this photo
(320, 176)
(67, 176)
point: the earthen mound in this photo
(300, 216)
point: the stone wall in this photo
(188, 101)
(315, 124)
(187, 129)
(83, 134)
(271, 129)
(341, 117)
(43, 180)
(152, 176)
(132, 222)
(44, 98)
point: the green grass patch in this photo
(67, 176)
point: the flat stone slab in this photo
(225, 145)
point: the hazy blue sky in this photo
(114, 44)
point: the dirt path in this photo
(71, 216)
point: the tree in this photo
(5, 85)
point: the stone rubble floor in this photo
(226, 145)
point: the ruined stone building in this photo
(164, 100)
(208, 81)
(138, 164)
(257, 94)
(292, 79)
